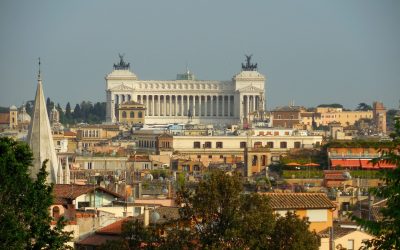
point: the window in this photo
(198, 156)
(186, 168)
(140, 114)
(196, 168)
(297, 144)
(132, 114)
(287, 133)
(283, 144)
(210, 157)
(196, 144)
(279, 116)
(258, 144)
(123, 114)
(317, 215)
(56, 212)
(350, 244)
(242, 144)
(276, 133)
(207, 144)
(221, 157)
(270, 144)
(219, 144)
(83, 204)
(137, 211)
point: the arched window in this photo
(56, 212)
(132, 115)
(140, 115)
(123, 114)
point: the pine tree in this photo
(77, 113)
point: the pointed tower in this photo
(40, 138)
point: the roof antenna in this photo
(187, 69)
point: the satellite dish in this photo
(347, 175)
(148, 177)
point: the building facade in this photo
(187, 99)
(131, 112)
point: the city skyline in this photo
(311, 52)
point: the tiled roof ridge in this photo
(299, 200)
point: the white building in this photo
(184, 99)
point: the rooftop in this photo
(64, 192)
(299, 201)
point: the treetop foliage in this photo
(387, 231)
(333, 105)
(218, 215)
(24, 203)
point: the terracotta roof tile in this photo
(338, 232)
(114, 228)
(299, 200)
(72, 191)
(166, 214)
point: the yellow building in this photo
(88, 136)
(345, 118)
(343, 238)
(316, 206)
(131, 113)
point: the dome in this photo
(24, 117)
(13, 107)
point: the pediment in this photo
(250, 88)
(122, 87)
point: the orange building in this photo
(353, 155)
(316, 206)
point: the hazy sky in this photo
(311, 52)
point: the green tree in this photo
(29, 107)
(24, 203)
(218, 215)
(289, 234)
(68, 114)
(61, 113)
(49, 105)
(77, 115)
(223, 217)
(387, 231)
(333, 105)
(363, 107)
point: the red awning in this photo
(366, 164)
(386, 165)
(350, 163)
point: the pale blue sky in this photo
(312, 52)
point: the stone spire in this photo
(40, 139)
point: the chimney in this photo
(146, 216)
